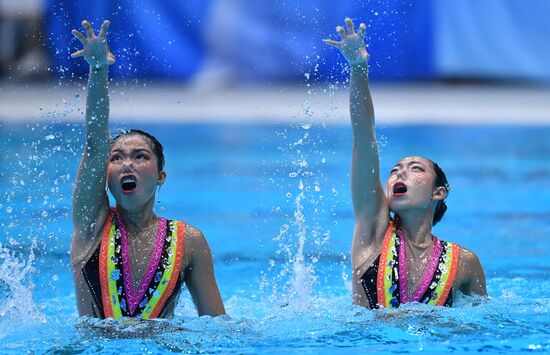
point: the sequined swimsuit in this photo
(385, 281)
(108, 272)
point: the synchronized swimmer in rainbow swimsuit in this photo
(128, 262)
(397, 259)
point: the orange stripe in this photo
(103, 269)
(451, 278)
(175, 273)
(380, 292)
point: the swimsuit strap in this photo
(170, 276)
(387, 282)
(444, 277)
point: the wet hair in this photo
(440, 181)
(155, 144)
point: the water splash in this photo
(303, 273)
(291, 275)
(16, 288)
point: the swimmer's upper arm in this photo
(89, 196)
(199, 275)
(472, 275)
(369, 200)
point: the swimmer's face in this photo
(411, 185)
(133, 174)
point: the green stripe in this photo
(444, 276)
(113, 294)
(388, 281)
(166, 275)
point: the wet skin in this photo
(130, 169)
(417, 177)
(133, 158)
(410, 193)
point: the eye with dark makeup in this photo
(115, 157)
(142, 156)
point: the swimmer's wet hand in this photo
(95, 51)
(352, 44)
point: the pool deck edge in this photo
(322, 103)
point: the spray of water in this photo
(16, 287)
(303, 273)
(292, 280)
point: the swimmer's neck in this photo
(417, 229)
(138, 219)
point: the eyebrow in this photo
(409, 164)
(132, 151)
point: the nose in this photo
(401, 174)
(127, 166)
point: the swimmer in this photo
(127, 261)
(395, 257)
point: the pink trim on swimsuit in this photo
(428, 273)
(132, 297)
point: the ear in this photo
(439, 194)
(162, 178)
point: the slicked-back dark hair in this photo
(155, 144)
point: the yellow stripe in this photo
(113, 293)
(444, 276)
(389, 280)
(166, 275)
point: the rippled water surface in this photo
(274, 204)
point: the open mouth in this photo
(399, 188)
(128, 184)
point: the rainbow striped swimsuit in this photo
(385, 281)
(108, 275)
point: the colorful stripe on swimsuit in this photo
(118, 297)
(385, 282)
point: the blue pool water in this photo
(274, 204)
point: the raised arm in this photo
(369, 201)
(89, 196)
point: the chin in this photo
(128, 202)
(399, 206)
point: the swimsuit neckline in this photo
(428, 273)
(134, 297)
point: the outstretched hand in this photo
(95, 51)
(352, 44)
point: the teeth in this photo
(128, 179)
(128, 183)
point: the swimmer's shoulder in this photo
(195, 244)
(468, 257)
(470, 274)
(193, 235)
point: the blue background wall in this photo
(255, 40)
